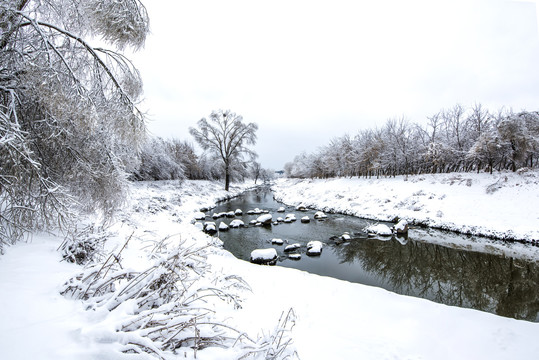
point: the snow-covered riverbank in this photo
(334, 319)
(502, 205)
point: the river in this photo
(487, 281)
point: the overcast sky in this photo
(308, 71)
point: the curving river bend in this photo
(414, 266)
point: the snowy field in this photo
(502, 205)
(334, 319)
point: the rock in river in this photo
(265, 219)
(264, 256)
(292, 247)
(209, 228)
(379, 229)
(401, 227)
(223, 226)
(236, 223)
(314, 248)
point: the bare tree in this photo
(69, 125)
(225, 135)
(256, 170)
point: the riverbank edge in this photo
(294, 192)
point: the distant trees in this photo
(225, 136)
(455, 139)
(69, 125)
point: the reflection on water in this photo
(488, 282)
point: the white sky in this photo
(307, 71)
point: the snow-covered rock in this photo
(236, 223)
(264, 256)
(253, 222)
(379, 229)
(200, 215)
(281, 209)
(210, 227)
(320, 215)
(314, 248)
(265, 219)
(401, 227)
(277, 241)
(223, 226)
(301, 208)
(287, 220)
(218, 215)
(291, 217)
(230, 214)
(280, 219)
(238, 212)
(292, 247)
(294, 256)
(305, 219)
(345, 237)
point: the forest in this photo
(458, 139)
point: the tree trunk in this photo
(227, 178)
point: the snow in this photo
(277, 241)
(200, 216)
(335, 319)
(502, 205)
(36, 321)
(305, 219)
(320, 215)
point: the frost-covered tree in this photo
(159, 162)
(517, 141)
(256, 170)
(69, 125)
(227, 137)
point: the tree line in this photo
(455, 139)
(175, 159)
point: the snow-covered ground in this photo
(501, 205)
(334, 319)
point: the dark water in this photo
(488, 282)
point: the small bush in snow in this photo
(84, 246)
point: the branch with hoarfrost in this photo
(277, 345)
(70, 128)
